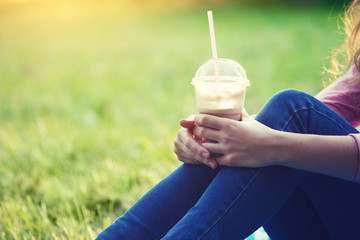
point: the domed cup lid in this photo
(229, 71)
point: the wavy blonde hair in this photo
(349, 53)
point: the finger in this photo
(180, 146)
(186, 156)
(193, 151)
(188, 122)
(207, 133)
(212, 163)
(193, 145)
(189, 161)
(215, 147)
(190, 151)
(223, 160)
(211, 121)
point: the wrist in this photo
(280, 148)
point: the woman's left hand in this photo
(246, 143)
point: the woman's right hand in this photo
(187, 149)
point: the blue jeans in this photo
(196, 202)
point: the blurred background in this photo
(91, 93)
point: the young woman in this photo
(294, 170)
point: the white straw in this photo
(213, 45)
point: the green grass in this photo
(90, 99)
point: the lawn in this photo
(91, 95)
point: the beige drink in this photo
(224, 97)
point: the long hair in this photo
(349, 53)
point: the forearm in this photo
(335, 156)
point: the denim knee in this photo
(290, 98)
(281, 106)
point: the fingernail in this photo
(212, 165)
(205, 155)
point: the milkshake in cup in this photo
(221, 95)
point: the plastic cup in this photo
(225, 97)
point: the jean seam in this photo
(305, 207)
(318, 112)
(231, 205)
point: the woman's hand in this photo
(248, 143)
(188, 149)
(245, 143)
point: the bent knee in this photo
(290, 98)
(282, 105)
(288, 95)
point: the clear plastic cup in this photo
(225, 97)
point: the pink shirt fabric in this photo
(343, 96)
